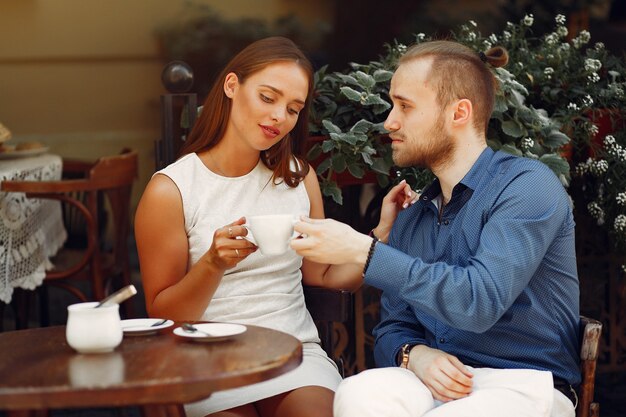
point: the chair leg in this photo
(21, 306)
(44, 306)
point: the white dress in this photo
(260, 290)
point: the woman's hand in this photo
(229, 247)
(397, 199)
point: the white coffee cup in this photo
(271, 233)
(93, 330)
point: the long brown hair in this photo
(284, 157)
(459, 72)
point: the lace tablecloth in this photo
(31, 230)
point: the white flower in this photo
(510, 26)
(552, 38)
(548, 71)
(600, 167)
(421, 36)
(493, 38)
(528, 20)
(527, 143)
(596, 212)
(471, 36)
(587, 101)
(401, 48)
(560, 19)
(592, 65)
(473, 23)
(486, 44)
(564, 47)
(621, 198)
(561, 31)
(572, 106)
(506, 35)
(585, 36)
(593, 129)
(620, 223)
(599, 46)
(609, 140)
(594, 78)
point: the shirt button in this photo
(446, 222)
(442, 340)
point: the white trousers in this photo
(397, 392)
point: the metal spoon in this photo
(118, 296)
(190, 328)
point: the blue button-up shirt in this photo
(493, 281)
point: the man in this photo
(479, 312)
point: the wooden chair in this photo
(109, 178)
(329, 306)
(590, 331)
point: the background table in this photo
(38, 370)
(31, 230)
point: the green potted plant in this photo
(551, 95)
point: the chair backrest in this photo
(590, 331)
(111, 177)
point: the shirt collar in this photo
(470, 180)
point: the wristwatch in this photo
(405, 350)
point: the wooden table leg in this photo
(163, 410)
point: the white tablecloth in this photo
(31, 230)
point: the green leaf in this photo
(314, 153)
(508, 148)
(382, 75)
(351, 94)
(362, 126)
(356, 170)
(339, 162)
(556, 163)
(556, 139)
(367, 158)
(348, 79)
(366, 80)
(330, 127)
(327, 146)
(381, 166)
(330, 189)
(373, 99)
(512, 128)
(323, 166)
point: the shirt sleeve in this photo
(397, 326)
(517, 232)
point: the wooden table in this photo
(39, 371)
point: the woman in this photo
(238, 161)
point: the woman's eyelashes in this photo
(270, 100)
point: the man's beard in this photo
(436, 152)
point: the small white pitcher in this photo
(93, 330)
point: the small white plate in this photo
(142, 327)
(23, 153)
(211, 332)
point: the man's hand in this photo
(330, 242)
(443, 374)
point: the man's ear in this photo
(463, 112)
(231, 82)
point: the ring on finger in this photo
(230, 232)
(237, 252)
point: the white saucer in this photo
(211, 332)
(142, 327)
(23, 153)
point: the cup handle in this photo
(295, 234)
(250, 236)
